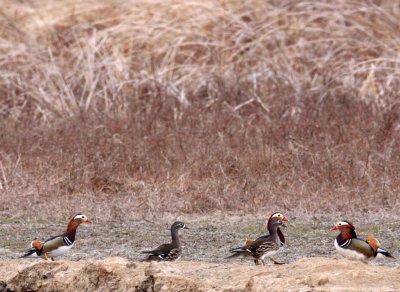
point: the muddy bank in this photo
(316, 274)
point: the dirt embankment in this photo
(118, 274)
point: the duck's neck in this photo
(175, 236)
(281, 236)
(71, 229)
(273, 231)
(347, 234)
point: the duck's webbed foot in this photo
(276, 262)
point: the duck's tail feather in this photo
(385, 253)
(36, 247)
(235, 255)
(29, 252)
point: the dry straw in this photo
(199, 106)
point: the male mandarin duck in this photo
(347, 243)
(169, 251)
(276, 215)
(57, 245)
(264, 246)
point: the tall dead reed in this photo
(199, 106)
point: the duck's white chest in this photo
(348, 252)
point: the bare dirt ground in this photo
(107, 254)
(119, 274)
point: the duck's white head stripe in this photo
(80, 216)
(277, 214)
(342, 223)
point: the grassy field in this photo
(133, 109)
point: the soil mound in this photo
(118, 274)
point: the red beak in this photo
(88, 221)
(285, 219)
(333, 228)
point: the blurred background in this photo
(119, 108)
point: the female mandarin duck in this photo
(276, 215)
(264, 246)
(168, 251)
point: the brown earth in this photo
(107, 257)
(119, 274)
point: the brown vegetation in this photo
(199, 106)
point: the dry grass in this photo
(122, 107)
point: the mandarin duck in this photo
(276, 215)
(347, 243)
(169, 251)
(57, 245)
(264, 246)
